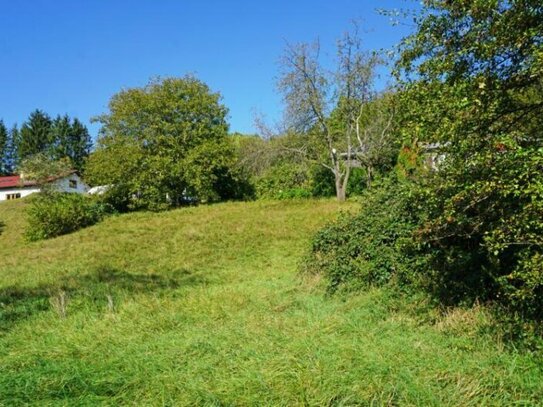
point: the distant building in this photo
(433, 154)
(15, 186)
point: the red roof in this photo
(10, 182)
(14, 181)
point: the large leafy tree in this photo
(161, 143)
(474, 74)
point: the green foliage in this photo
(282, 181)
(476, 88)
(4, 145)
(35, 135)
(370, 247)
(485, 238)
(41, 169)
(162, 144)
(409, 162)
(58, 139)
(70, 139)
(212, 173)
(55, 214)
(11, 157)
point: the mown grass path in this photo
(204, 306)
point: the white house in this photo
(14, 186)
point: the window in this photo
(73, 183)
(9, 197)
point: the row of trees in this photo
(167, 143)
(56, 138)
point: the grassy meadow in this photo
(204, 306)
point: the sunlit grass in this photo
(204, 306)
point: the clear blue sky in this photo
(70, 56)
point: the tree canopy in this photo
(162, 144)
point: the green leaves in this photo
(161, 142)
(476, 87)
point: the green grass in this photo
(204, 306)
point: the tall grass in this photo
(203, 306)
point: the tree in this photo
(60, 137)
(161, 143)
(35, 135)
(310, 92)
(11, 156)
(473, 84)
(80, 143)
(375, 145)
(70, 139)
(4, 145)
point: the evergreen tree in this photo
(80, 144)
(4, 141)
(60, 137)
(11, 153)
(70, 139)
(35, 135)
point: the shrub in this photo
(371, 247)
(485, 234)
(283, 181)
(54, 214)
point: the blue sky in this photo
(71, 56)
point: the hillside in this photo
(204, 306)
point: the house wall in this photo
(62, 185)
(24, 191)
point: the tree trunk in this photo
(340, 190)
(369, 175)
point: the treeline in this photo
(58, 138)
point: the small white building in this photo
(14, 186)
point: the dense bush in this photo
(485, 238)
(474, 86)
(55, 213)
(288, 180)
(282, 181)
(370, 247)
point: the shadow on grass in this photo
(2, 226)
(101, 290)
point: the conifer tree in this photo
(35, 135)
(4, 142)
(70, 139)
(11, 153)
(80, 144)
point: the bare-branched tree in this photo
(311, 92)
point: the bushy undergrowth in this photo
(54, 214)
(283, 181)
(290, 180)
(484, 237)
(371, 247)
(462, 250)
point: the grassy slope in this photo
(203, 306)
